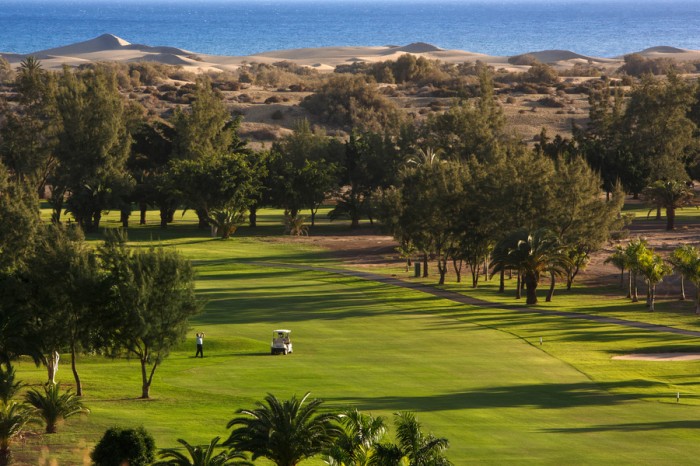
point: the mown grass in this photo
(477, 376)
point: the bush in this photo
(277, 115)
(550, 102)
(118, 446)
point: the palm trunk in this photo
(143, 207)
(502, 282)
(425, 264)
(652, 298)
(531, 289)
(552, 283)
(682, 288)
(518, 288)
(622, 278)
(629, 284)
(670, 218)
(76, 376)
(635, 292)
(52, 366)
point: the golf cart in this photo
(281, 342)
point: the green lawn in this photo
(476, 376)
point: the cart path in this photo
(463, 299)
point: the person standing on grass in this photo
(200, 345)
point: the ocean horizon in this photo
(234, 27)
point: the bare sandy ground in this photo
(108, 47)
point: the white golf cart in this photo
(281, 343)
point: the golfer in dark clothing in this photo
(200, 347)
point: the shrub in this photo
(277, 115)
(550, 102)
(118, 446)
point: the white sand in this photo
(108, 47)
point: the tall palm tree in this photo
(531, 254)
(285, 432)
(634, 250)
(618, 259)
(53, 406)
(669, 195)
(356, 444)
(654, 269)
(682, 259)
(14, 418)
(200, 456)
(413, 447)
(690, 270)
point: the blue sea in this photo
(236, 27)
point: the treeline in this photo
(72, 135)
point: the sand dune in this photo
(108, 47)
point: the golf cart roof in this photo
(282, 331)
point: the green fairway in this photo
(476, 376)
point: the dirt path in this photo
(462, 299)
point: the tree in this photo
(669, 195)
(65, 288)
(356, 444)
(657, 131)
(531, 254)
(689, 259)
(53, 406)
(118, 447)
(634, 250)
(470, 129)
(200, 456)
(151, 299)
(93, 146)
(619, 260)
(654, 269)
(219, 188)
(204, 132)
(28, 131)
(14, 418)
(19, 211)
(577, 213)
(303, 170)
(682, 259)
(413, 447)
(285, 432)
(370, 162)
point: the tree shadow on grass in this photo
(630, 427)
(540, 396)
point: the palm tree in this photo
(285, 432)
(618, 259)
(9, 385)
(682, 259)
(633, 252)
(356, 444)
(690, 269)
(531, 254)
(14, 418)
(200, 456)
(52, 406)
(654, 269)
(669, 195)
(414, 448)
